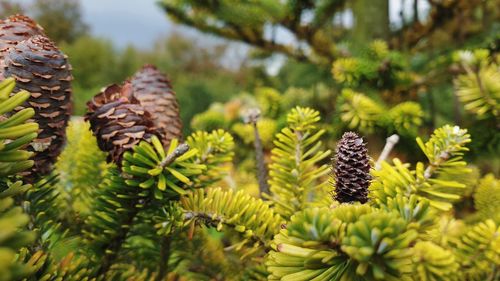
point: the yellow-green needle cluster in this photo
(15, 130)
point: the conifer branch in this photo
(250, 216)
(180, 150)
(235, 32)
(295, 172)
(112, 249)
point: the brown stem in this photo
(169, 159)
(252, 117)
(230, 32)
(165, 243)
(261, 164)
(212, 220)
(429, 171)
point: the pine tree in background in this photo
(319, 25)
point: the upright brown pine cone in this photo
(40, 68)
(352, 169)
(154, 92)
(14, 30)
(118, 121)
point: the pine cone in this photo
(14, 30)
(352, 169)
(118, 121)
(155, 94)
(40, 68)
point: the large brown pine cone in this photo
(352, 169)
(118, 121)
(40, 68)
(16, 29)
(154, 92)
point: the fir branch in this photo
(170, 158)
(215, 151)
(433, 181)
(478, 89)
(252, 217)
(233, 32)
(113, 247)
(212, 219)
(295, 172)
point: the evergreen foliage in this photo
(444, 151)
(14, 235)
(148, 208)
(364, 114)
(249, 216)
(478, 87)
(80, 166)
(295, 171)
(319, 27)
(486, 198)
(214, 150)
(376, 65)
(169, 207)
(391, 241)
(15, 133)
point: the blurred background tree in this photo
(8, 8)
(317, 27)
(197, 68)
(396, 55)
(307, 51)
(61, 19)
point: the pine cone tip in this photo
(154, 92)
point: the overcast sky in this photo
(137, 22)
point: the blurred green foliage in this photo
(196, 72)
(61, 19)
